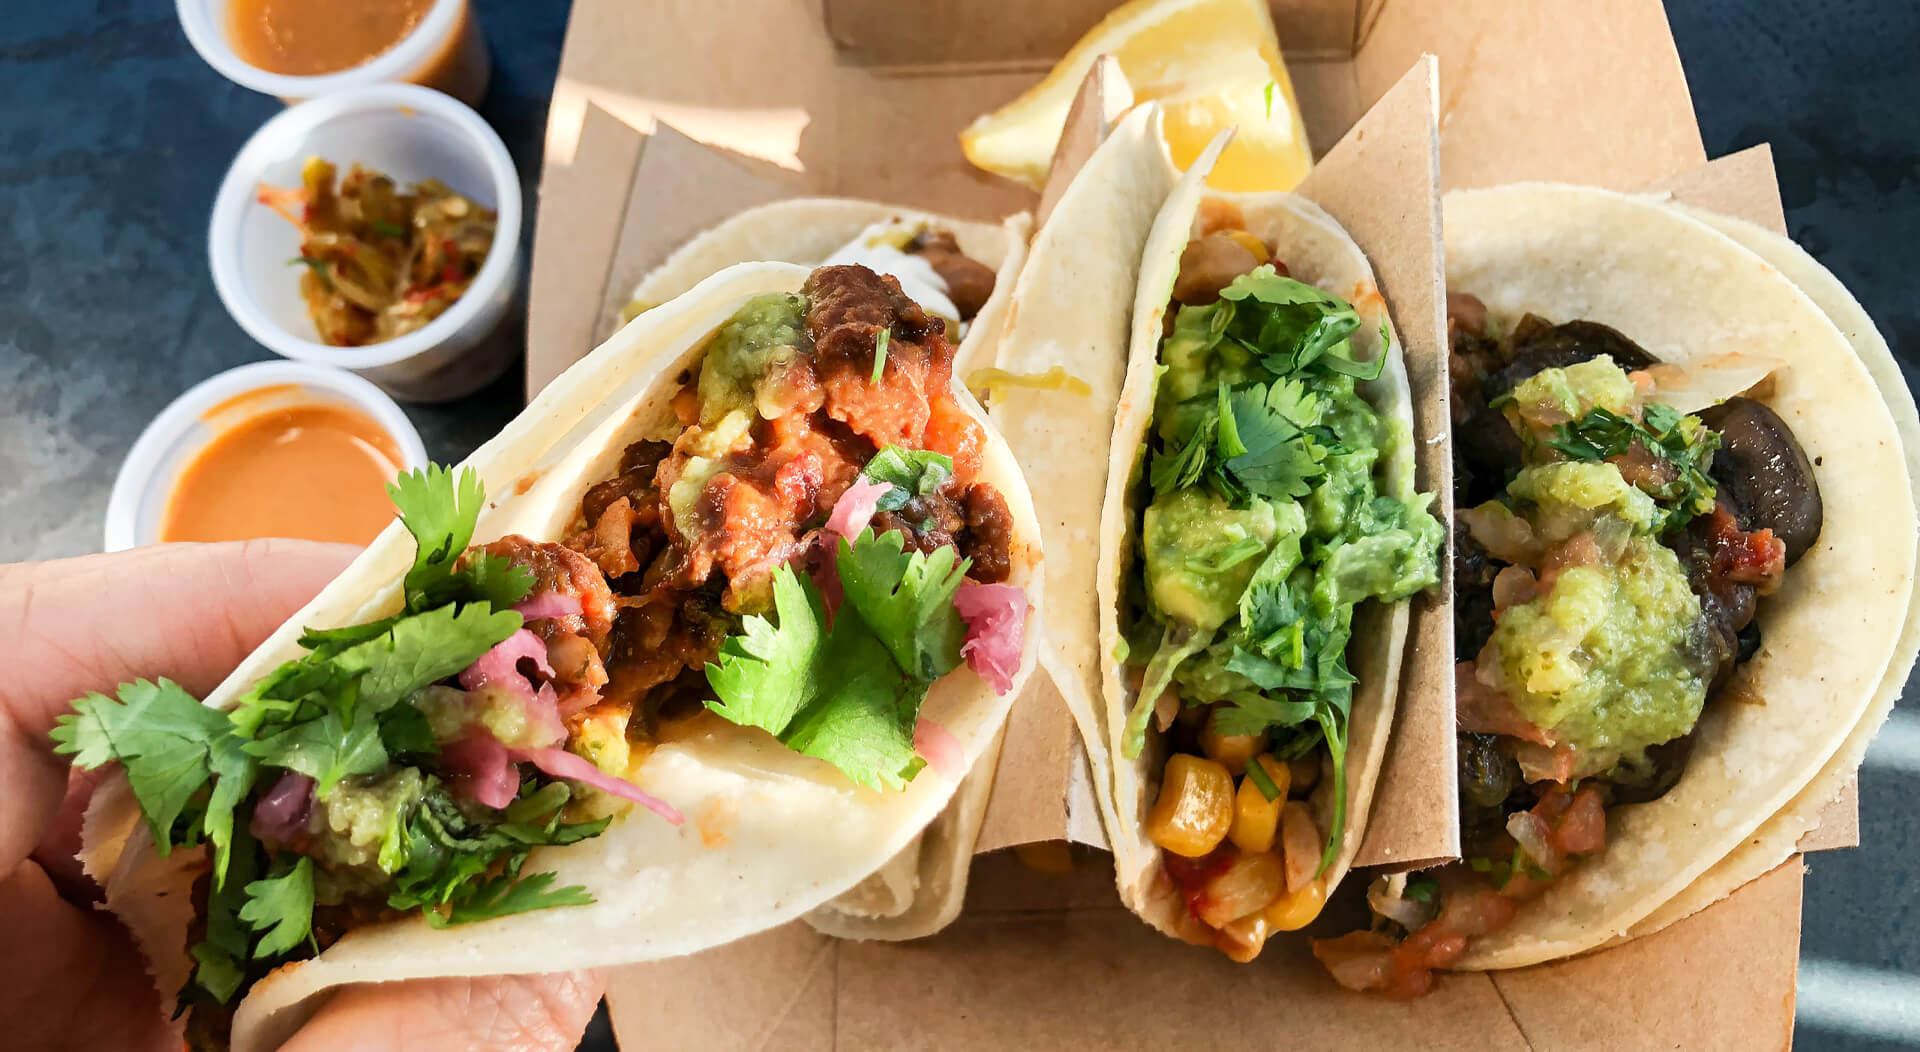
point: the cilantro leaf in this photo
(865, 726)
(907, 600)
(767, 674)
(324, 749)
(163, 738)
(851, 694)
(911, 473)
(1669, 435)
(494, 580)
(1278, 459)
(1186, 465)
(507, 894)
(281, 907)
(423, 649)
(441, 512)
(1293, 325)
(221, 955)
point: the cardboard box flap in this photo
(1382, 183)
(882, 33)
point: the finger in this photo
(64, 963)
(189, 612)
(513, 1013)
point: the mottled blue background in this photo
(114, 136)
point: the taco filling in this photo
(1267, 520)
(1608, 557)
(802, 554)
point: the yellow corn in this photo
(1232, 751)
(1195, 806)
(1255, 818)
(1251, 244)
(1242, 940)
(1294, 910)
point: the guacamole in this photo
(767, 332)
(1269, 519)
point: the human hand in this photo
(189, 613)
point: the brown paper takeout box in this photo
(670, 117)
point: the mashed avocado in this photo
(1600, 661)
(1200, 554)
(766, 332)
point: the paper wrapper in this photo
(669, 120)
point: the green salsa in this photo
(1602, 659)
(766, 332)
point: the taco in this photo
(961, 271)
(726, 569)
(1683, 563)
(1260, 538)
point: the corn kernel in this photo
(1251, 244)
(1294, 910)
(1195, 806)
(1255, 818)
(1233, 751)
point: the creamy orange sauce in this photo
(304, 38)
(315, 472)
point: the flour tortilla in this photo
(770, 834)
(1070, 312)
(1316, 250)
(920, 890)
(1686, 292)
(1778, 837)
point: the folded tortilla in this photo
(1835, 634)
(920, 890)
(1318, 251)
(784, 833)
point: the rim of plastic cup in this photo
(141, 471)
(237, 194)
(201, 19)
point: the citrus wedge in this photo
(1211, 64)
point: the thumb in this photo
(511, 1013)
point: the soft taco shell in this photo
(920, 890)
(787, 832)
(1778, 837)
(1687, 292)
(1316, 250)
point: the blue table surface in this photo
(114, 137)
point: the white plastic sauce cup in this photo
(399, 130)
(445, 51)
(147, 477)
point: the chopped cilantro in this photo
(849, 694)
(1257, 774)
(280, 907)
(880, 355)
(1680, 440)
(386, 228)
(911, 472)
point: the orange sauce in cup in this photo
(305, 38)
(315, 472)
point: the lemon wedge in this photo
(1211, 64)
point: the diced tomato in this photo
(1192, 875)
(1758, 558)
(1582, 828)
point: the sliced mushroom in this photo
(1764, 474)
(1659, 772)
(1538, 344)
